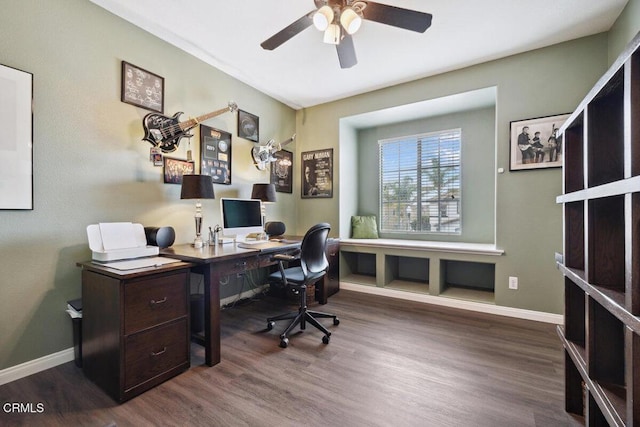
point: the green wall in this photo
(478, 166)
(90, 164)
(528, 222)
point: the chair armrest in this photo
(284, 257)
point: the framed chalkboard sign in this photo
(142, 88)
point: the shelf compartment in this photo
(606, 264)
(634, 90)
(605, 349)
(407, 273)
(574, 235)
(605, 133)
(359, 267)
(573, 141)
(575, 313)
(633, 244)
(606, 363)
(468, 280)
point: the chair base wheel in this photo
(270, 325)
(284, 342)
(325, 339)
(336, 321)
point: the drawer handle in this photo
(153, 302)
(154, 354)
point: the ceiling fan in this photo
(339, 19)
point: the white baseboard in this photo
(34, 366)
(43, 363)
(519, 313)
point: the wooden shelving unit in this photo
(601, 261)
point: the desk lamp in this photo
(197, 187)
(266, 193)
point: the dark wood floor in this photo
(389, 363)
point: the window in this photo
(420, 183)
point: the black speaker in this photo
(275, 228)
(162, 237)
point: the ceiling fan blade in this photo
(398, 17)
(288, 32)
(346, 52)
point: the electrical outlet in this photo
(513, 282)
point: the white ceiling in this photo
(304, 71)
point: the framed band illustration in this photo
(142, 88)
(317, 174)
(282, 171)
(175, 168)
(16, 143)
(248, 126)
(215, 154)
(535, 144)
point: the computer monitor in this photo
(241, 217)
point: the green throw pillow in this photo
(364, 227)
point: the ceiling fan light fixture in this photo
(332, 34)
(350, 20)
(323, 17)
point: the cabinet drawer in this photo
(153, 301)
(150, 353)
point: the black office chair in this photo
(313, 266)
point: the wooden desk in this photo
(215, 262)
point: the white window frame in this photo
(452, 199)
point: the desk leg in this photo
(211, 315)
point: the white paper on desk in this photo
(132, 264)
(117, 235)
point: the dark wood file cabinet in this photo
(135, 327)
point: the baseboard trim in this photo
(519, 313)
(34, 366)
(43, 363)
(52, 360)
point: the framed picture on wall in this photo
(317, 174)
(534, 143)
(175, 168)
(248, 126)
(142, 88)
(215, 154)
(282, 171)
(16, 142)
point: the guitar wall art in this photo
(166, 132)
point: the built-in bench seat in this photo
(425, 245)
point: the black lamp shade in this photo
(197, 187)
(264, 192)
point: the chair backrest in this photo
(312, 252)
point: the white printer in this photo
(112, 241)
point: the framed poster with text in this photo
(317, 174)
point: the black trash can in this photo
(77, 341)
(74, 308)
(197, 313)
